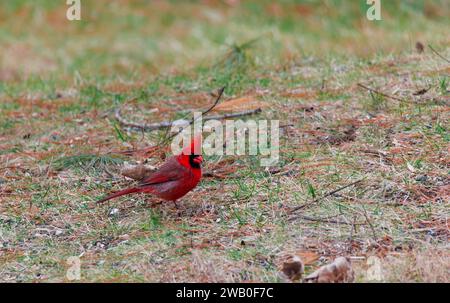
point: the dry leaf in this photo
(337, 272)
(308, 257)
(239, 104)
(292, 268)
(137, 172)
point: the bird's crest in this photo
(195, 147)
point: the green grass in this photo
(86, 161)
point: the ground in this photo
(61, 147)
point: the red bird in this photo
(175, 178)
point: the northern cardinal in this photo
(175, 178)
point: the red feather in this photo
(175, 178)
(120, 193)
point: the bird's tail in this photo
(120, 193)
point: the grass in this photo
(61, 148)
(85, 161)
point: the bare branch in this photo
(148, 127)
(324, 196)
(439, 55)
(380, 93)
(234, 115)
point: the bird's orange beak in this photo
(198, 159)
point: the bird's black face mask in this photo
(195, 161)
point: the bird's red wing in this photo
(170, 171)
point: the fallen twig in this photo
(439, 55)
(422, 91)
(374, 234)
(220, 93)
(163, 124)
(325, 220)
(166, 124)
(143, 127)
(234, 115)
(148, 127)
(324, 196)
(212, 174)
(380, 93)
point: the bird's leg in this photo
(176, 205)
